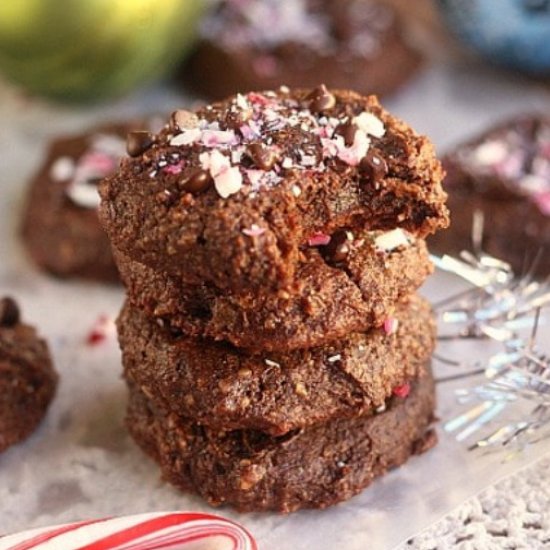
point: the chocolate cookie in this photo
(351, 284)
(232, 194)
(60, 226)
(314, 467)
(261, 44)
(27, 377)
(226, 388)
(505, 174)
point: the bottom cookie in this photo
(309, 468)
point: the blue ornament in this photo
(511, 33)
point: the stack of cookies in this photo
(271, 244)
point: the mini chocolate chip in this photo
(320, 99)
(263, 157)
(138, 142)
(197, 182)
(338, 248)
(347, 131)
(373, 167)
(184, 120)
(9, 312)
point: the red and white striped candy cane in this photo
(155, 531)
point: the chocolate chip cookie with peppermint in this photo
(27, 378)
(227, 388)
(348, 284)
(505, 175)
(60, 228)
(261, 44)
(233, 193)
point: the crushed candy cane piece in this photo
(391, 240)
(62, 169)
(318, 239)
(103, 327)
(83, 194)
(187, 137)
(391, 325)
(370, 124)
(542, 200)
(174, 169)
(402, 391)
(254, 230)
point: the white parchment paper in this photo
(82, 464)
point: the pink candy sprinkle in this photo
(542, 200)
(390, 325)
(318, 239)
(254, 230)
(98, 163)
(100, 331)
(258, 99)
(174, 169)
(247, 132)
(402, 391)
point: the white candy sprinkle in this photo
(492, 152)
(83, 194)
(241, 102)
(62, 169)
(287, 163)
(228, 182)
(370, 124)
(391, 240)
(186, 137)
(334, 358)
(296, 191)
(109, 144)
(271, 363)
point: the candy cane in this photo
(156, 531)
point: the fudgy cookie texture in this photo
(314, 467)
(261, 44)
(61, 229)
(349, 286)
(27, 377)
(226, 388)
(505, 174)
(232, 194)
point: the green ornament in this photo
(87, 50)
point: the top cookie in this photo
(230, 194)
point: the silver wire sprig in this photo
(520, 374)
(497, 307)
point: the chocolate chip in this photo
(347, 131)
(9, 312)
(138, 142)
(184, 120)
(373, 167)
(263, 157)
(338, 248)
(320, 99)
(197, 182)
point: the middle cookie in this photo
(345, 283)
(225, 388)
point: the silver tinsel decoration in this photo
(505, 311)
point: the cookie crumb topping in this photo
(253, 141)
